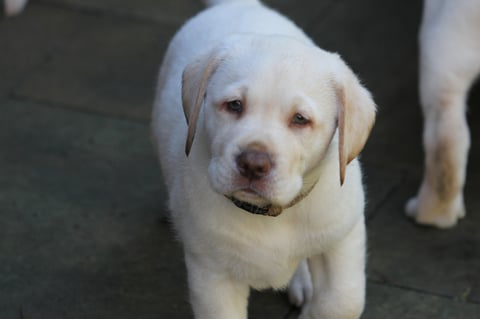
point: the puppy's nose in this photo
(254, 164)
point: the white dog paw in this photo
(440, 216)
(299, 293)
(300, 289)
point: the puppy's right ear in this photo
(195, 78)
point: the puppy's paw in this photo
(300, 289)
(411, 207)
(441, 215)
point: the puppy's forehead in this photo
(275, 59)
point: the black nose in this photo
(254, 164)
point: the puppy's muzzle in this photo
(254, 165)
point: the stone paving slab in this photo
(110, 67)
(28, 41)
(305, 13)
(434, 261)
(173, 12)
(397, 303)
(80, 199)
(269, 304)
(380, 183)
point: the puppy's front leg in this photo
(214, 295)
(339, 279)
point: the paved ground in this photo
(81, 198)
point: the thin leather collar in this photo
(269, 210)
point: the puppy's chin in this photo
(251, 197)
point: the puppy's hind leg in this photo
(300, 289)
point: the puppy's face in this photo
(269, 119)
(270, 110)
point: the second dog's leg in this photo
(448, 66)
(446, 142)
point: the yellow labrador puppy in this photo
(257, 131)
(449, 63)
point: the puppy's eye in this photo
(300, 120)
(234, 106)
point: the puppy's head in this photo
(270, 107)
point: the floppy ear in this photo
(195, 78)
(356, 115)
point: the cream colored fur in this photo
(243, 51)
(449, 63)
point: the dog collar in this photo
(269, 210)
(254, 209)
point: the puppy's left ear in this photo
(356, 115)
(195, 78)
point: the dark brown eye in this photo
(300, 120)
(235, 106)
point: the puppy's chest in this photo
(268, 256)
